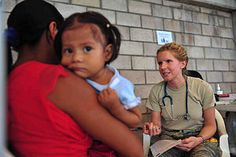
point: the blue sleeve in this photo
(125, 91)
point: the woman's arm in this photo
(75, 97)
(156, 118)
(209, 127)
(208, 130)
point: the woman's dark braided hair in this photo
(26, 24)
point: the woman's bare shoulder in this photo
(71, 91)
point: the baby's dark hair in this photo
(111, 32)
(27, 22)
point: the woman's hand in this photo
(189, 143)
(151, 129)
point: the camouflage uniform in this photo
(205, 149)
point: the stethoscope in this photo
(166, 96)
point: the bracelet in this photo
(203, 140)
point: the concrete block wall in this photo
(206, 33)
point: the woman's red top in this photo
(36, 127)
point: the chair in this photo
(223, 136)
(193, 73)
(221, 130)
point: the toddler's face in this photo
(84, 51)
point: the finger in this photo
(146, 126)
(106, 91)
(109, 90)
(101, 95)
(100, 98)
(183, 148)
(155, 130)
(145, 131)
(150, 125)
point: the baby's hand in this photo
(151, 129)
(108, 98)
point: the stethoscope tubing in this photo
(186, 116)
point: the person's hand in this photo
(189, 143)
(108, 98)
(151, 129)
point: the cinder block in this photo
(8, 5)
(192, 28)
(232, 66)
(131, 48)
(143, 90)
(226, 32)
(195, 52)
(223, 13)
(137, 77)
(233, 85)
(139, 7)
(191, 7)
(221, 65)
(229, 76)
(67, 9)
(228, 22)
(213, 53)
(150, 49)
(144, 63)
(221, 21)
(184, 39)
(138, 34)
(173, 25)
(184, 15)
(217, 42)
(128, 19)
(125, 35)
(4, 19)
(200, 18)
(172, 4)
(207, 10)
(153, 77)
(192, 64)
(162, 11)
(204, 41)
(211, 30)
(143, 109)
(91, 3)
(214, 77)
(152, 22)
(120, 5)
(204, 64)
(228, 54)
(154, 1)
(122, 62)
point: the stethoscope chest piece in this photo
(187, 116)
